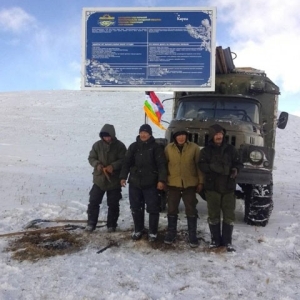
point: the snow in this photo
(45, 140)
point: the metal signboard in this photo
(161, 49)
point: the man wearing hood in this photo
(220, 162)
(145, 163)
(106, 157)
(184, 180)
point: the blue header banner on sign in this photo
(162, 50)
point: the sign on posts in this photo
(161, 49)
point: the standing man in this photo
(184, 180)
(220, 163)
(146, 163)
(106, 157)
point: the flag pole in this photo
(146, 118)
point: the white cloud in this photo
(277, 56)
(256, 19)
(72, 82)
(68, 82)
(264, 35)
(75, 66)
(15, 19)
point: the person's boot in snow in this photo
(227, 237)
(153, 227)
(93, 213)
(138, 219)
(90, 228)
(172, 229)
(112, 218)
(215, 232)
(192, 227)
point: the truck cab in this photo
(245, 103)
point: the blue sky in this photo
(40, 41)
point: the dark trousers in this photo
(189, 199)
(113, 199)
(138, 198)
(217, 203)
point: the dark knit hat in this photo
(146, 128)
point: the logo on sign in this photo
(106, 20)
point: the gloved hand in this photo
(233, 173)
(109, 169)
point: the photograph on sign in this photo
(145, 49)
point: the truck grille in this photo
(202, 140)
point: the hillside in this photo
(45, 140)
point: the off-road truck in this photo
(245, 103)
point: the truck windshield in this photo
(247, 111)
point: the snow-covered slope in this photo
(45, 141)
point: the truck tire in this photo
(258, 204)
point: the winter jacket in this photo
(146, 163)
(217, 163)
(183, 168)
(107, 154)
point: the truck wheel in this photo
(258, 204)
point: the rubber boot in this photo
(112, 219)
(153, 226)
(93, 214)
(227, 237)
(138, 219)
(172, 229)
(215, 232)
(192, 227)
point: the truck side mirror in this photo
(283, 119)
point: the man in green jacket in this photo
(106, 157)
(184, 180)
(220, 162)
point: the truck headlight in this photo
(256, 157)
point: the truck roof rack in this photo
(225, 65)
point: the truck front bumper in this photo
(254, 176)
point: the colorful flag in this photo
(154, 109)
(159, 109)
